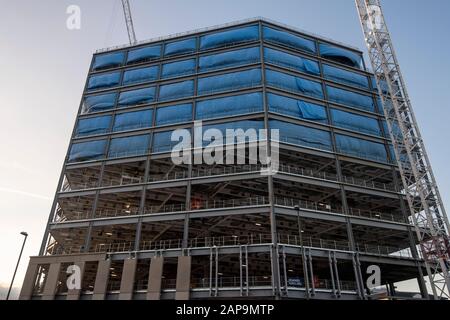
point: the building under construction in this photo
(140, 226)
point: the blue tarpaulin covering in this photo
(229, 106)
(361, 148)
(108, 60)
(99, 102)
(174, 114)
(229, 59)
(355, 122)
(92, 126)
(294, 84)
(85, 151)
(301, 135)
(352, 99)
(296, 108)
(103, 81)
(129, 146)
(180, 47)
(291, 61)
(178, 68)
(176, 90)
(341, 55)
(144, 54)
(140, 75)
(288, 39)
(133, 120)
(229, 81)
(345, 77)
(224, 38)
(136, 97)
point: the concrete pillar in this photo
(74, 294)
(183, 278)
(101, 280)
(127, 281)
(28, 283)
(52, 281)
(155, 278)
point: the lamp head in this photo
(24, 233)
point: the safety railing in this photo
(109, 213)
(369, 184)
(79, 182)
(234, 240)
(226, 170)
(114, 247)
(176, 175)
(122, 181)
(327, 207)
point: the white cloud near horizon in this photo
(25, 193)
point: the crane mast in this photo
(129, 21)
(419, 185)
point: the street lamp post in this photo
(18, 261)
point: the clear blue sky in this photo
(43, 68)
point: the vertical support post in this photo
(311, 270)
(101, 280)
(183, 278)
(127, 281)
(29, 281)
(52, 281)
(305, 273)
(155, 278)
(336, 272)
(330, 263)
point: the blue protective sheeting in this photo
(296, 108)
(229, 81)
(289, 40)
(178, 68)
(229, 59)
(133, 120)
(140, 75)
(250, 130)
(355, 122)
(229, 106)
(384, 85)
(85, 151)
(90, 126)
(99, 102)
(341, 55)
(108, 60)
(174, 114)
(180, 47)
(294, 84)
(291, 61)
(176, 90)
(301, 135)
(345, 77)
(351, 99)
(136, 97)
(144, 54)
(225, 38)
(103, 81)
(129, 146)
(361, 148)
(162, 141)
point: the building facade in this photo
(140, 226)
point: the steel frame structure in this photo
(274, 212)
(420, 187)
